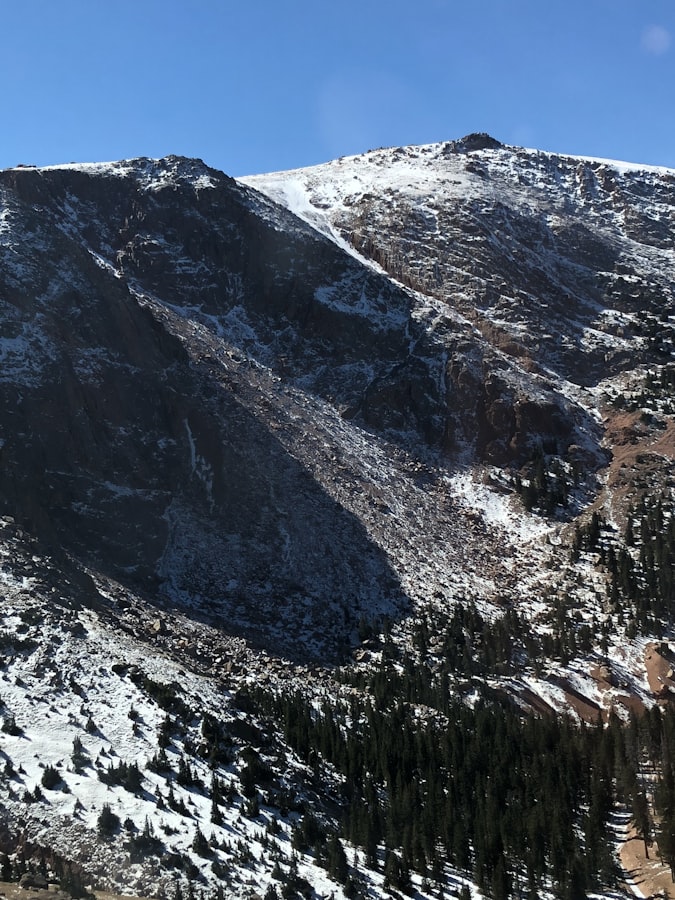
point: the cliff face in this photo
(145, 309)
(229, 407)
(561, 262)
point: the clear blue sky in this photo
(261, 85)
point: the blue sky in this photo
(264, 85)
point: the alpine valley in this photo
(336, 527)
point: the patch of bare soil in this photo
(665, 445)
(587, 709)
(642, 456)
(11, 890)
(631, 703)
(650, 876)
(660, 673)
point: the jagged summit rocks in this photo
(475, 141)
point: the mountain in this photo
(396, 427)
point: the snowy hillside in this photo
(558, 254)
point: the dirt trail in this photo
(11, 890)
(649, 876)
(660, 674)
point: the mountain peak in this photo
(475, 141)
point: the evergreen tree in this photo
(108, 821)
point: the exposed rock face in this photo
(563, 262)
(229, 408)
(237, 440)
(124, 440)
(475, 141)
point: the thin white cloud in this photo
(655, 40)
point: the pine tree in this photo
(5, 868)
(108, 821)
(642, 819)
(199, 844)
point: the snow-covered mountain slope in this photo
(127, 740)
(561, 260)
(133, 754)
(302, 417)
(311, 430)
